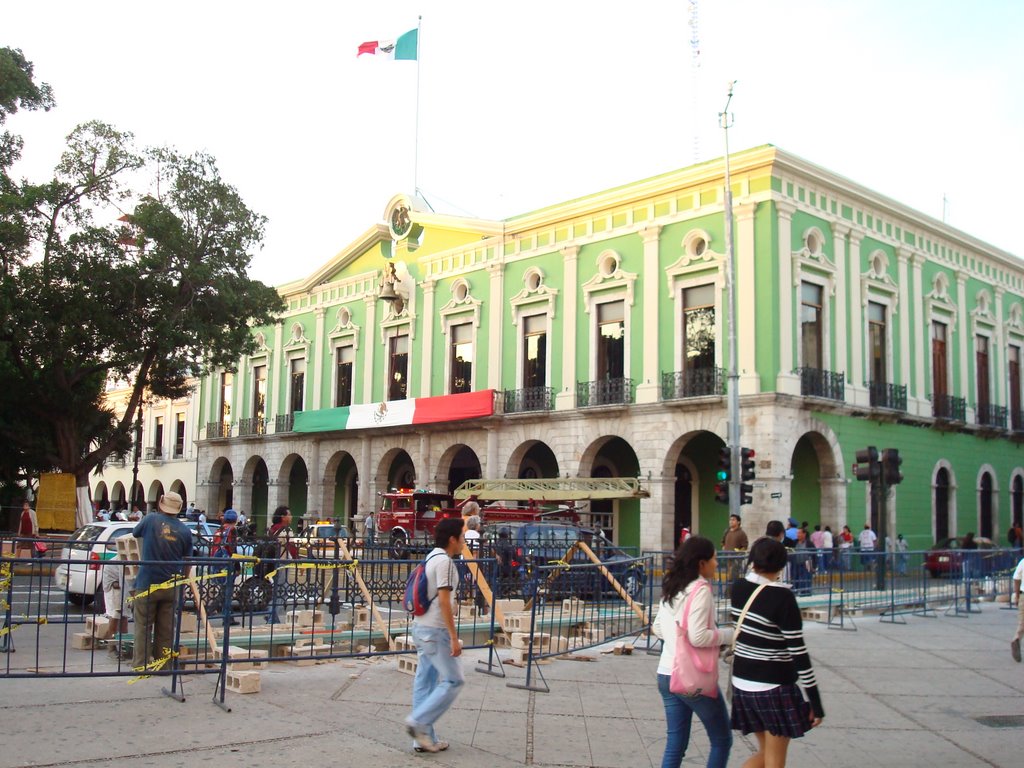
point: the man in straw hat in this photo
(166, 542)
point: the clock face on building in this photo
(400, 221)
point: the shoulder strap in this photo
(743, 615)
(685, 622)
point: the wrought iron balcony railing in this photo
(988, 415)
(284, 422)
(604, 392)
(949, 408)
(153, 453)
(1017, 420)
(693, 382)
(253, 426)
(818, 382)
(179, 452)
(885, 395)
(529, 399)
(215, 429)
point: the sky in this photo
(526, 104)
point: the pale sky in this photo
(527, 104)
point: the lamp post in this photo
(135, 462)
(730, 297)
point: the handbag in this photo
(731, 653)
(40, 547)
(694, 670)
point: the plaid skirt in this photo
(781, 711)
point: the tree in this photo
(128, 265)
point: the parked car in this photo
(202, 536)
(91, 544)
(318, 539)
(540, 543)
(947, 558)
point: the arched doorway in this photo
(223, 479)
(942, 496)
(533, 459)
(260, 495)
(156, 490)
(692, 459)
(986, 522)
(298, 487)
(346, 490)
(1017, 500)
(618, 518)
(138, 496)
(117, 497)
(464, 466)
(683, 516)
(101, 496)
(399, 470)
(179, 488)
(805, 496)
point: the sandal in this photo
(439, 746)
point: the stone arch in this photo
(530, 459)
(613, 456)
(294, 474)
(457, 464)
(1016, 496)
(341, 487)
(156, 490)
(178, 487)
(117, 495)
(688, 472)
(101, 495)
(395, 470)
(815, 482)
(254, 492)
(988, 502)
(221, 479)
(944, 518)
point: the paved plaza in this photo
(895, 695)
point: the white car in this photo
(91, 544)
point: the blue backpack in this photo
(417, 600)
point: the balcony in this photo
(604, 392)
(253, 426)
(890, 396)
(529, 399)
(179, 452)
(817, 382)
(216, 429)
(949, 408)
(693, 382)
(153, 453)
(284, 422)
(1017, 420)
(991, 416)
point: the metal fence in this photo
(233, 617)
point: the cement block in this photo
(83, 641)
(243, 682)
(408, 664)
(510, 606)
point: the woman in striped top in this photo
(775, 693)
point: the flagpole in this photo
(416, 141)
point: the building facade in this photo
(167, 454)
(590, 339)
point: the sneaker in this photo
(423, 741)
(439, 746)
(1015, 650)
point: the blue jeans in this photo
(438, 677)
(678, 716)
(278, 602)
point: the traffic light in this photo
(891, 466)
(723, 475)
(867, 466)
(747, 474)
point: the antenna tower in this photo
(694, 77)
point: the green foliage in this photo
(127, 264)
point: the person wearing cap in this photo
(166, 542)
(792, 526)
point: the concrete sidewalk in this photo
(894, 694)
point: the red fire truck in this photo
(408, 517)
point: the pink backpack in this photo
(694, 670)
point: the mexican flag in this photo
(394, 413)
(405, 48)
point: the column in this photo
(427, 358)
(424, 466)
(658, 515)
(746, 296)
(367, 480)
(647, 390)
(277, 496)
(963, 340)
(274, 361)
(566, 399)
(315, 490)
(369, 343)
(841, 363)
(857, 392)
(319, 349)
(495, 315)
(1002, 369)
(923, 340)
(786, 381)
(907, 342)
(492, 468)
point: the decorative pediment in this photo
(877, 280)
(1015, 319)
(344, 328)
(297, 339)
(697, 256)
(610, 276)
(812, 258)
(534, 292)
(461, 303)
(982, 312)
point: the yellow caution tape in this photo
(177, 581)
(18, 625)
(154, 666)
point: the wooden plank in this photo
(367, 596)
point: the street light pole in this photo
(725, 120)
(135, 464)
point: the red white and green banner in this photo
(405, 48)
(398, 413)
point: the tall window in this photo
(611, 340)
(535, 351)
(398, 368)
(876, 343)
(461, 358)
(699, 327)
(940, 384)
(343, 362)
(1014, 371)
(810, 325)
(298, 384)
(179, 436)
(942, 504)
(227, 382)
(158, 437)
(981, 376)
(259, 392)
